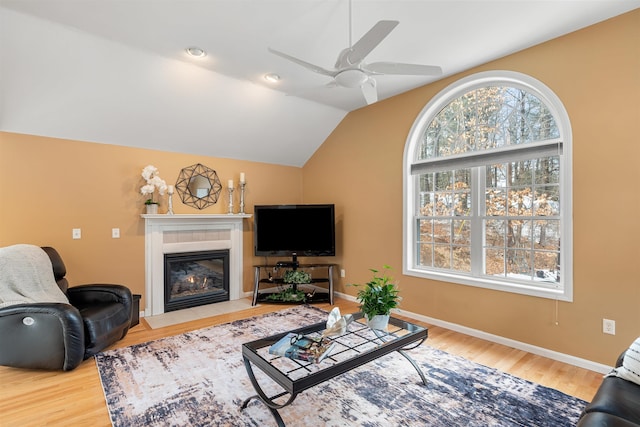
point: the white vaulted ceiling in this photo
(116, 71)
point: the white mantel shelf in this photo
(186, 233)
(194, 216)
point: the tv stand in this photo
(293, 264)
(269, 277)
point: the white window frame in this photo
(410, 194)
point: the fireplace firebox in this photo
(192, 279)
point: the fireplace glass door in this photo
(195, 278)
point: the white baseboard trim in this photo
(540, 351)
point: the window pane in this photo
(496, 176)
(427, 203)
(462, 232)
(425, 227)
(442, 256)
(443, 205)
(519, 234)
(443, 180)
(518, 264)
(546, 234)
(548, 170)
(520, 201)
(547, 266)
(442, 231)
(494, 262)
(487, 118)
(495, 232)
(426, 182)
(425, 255)
(462, 195)
(462, 203)
(547, 200)
(462, 178)
(495, 202)
(462, 258)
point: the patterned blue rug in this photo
(198, 379)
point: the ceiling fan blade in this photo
(403, 69)
(368, 42)
(369, 91)
(305, 64)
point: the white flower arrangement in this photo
(152, 177)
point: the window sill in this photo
(496, 285)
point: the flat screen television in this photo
(294, 230)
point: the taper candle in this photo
(242, 181)
(230, 183)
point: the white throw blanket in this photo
(26, 276)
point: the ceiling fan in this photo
(351, 72)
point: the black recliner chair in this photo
(60, 336)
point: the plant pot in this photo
(379, 321)
(152, 208)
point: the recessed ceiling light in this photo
(272, 78)
(196, 52)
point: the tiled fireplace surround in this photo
(189, 233)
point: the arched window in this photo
(487, 180)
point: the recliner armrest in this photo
(41, 336)
(100, 293)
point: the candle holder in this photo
(170, 209)
(242, 185)
(230, 200)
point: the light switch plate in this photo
(76, 233)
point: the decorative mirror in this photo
(198, 186)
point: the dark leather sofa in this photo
(58, 335)
(615, 404)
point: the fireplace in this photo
(187, 233)
(195, 278)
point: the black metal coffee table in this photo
(357, 346)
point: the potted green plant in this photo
(292, 293)
(377, 298)
(287, 295)
(296, 277)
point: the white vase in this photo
(379, 321)
(152, 208)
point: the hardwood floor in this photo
(75, 398)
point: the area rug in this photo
(199, 379)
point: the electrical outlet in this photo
(76, 233)
(115, 233)
(343, 273)
(609, 326)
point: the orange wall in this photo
(596, 74)
(49, 186)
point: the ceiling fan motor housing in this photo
(351, 78)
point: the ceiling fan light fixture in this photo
(351, 78)
(196, 52)
(272, 78)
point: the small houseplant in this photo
(292, 293)
(296, 277)
(152, 177)
(377, 298)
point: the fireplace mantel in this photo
(189, 233)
